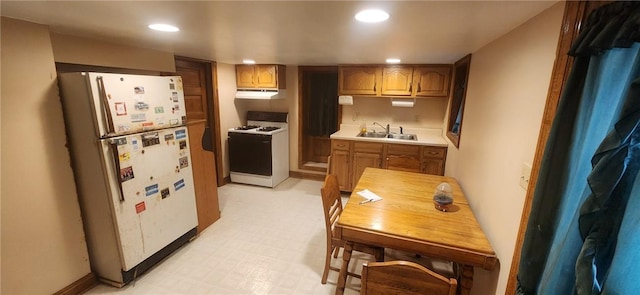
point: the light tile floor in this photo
(268, 241)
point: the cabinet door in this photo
(403, 157)
(341, 163)
(359, 80)
(432, 80)
(267, 76)
(340, 168)
(365, 154)
(362, 160)
(433, 166)
(245, 76)
(397, 80)
(433, 160)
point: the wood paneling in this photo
(194, 78)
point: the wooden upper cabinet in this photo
(267, 76)
(432, 80)
(260, 76)
(397, 80)
(359, 80)
(245, 76)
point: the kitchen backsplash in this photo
(426, 113)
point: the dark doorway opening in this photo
(319, 115)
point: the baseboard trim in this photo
(80, 286)
(314, 168)
(294, 174)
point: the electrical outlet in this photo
(525, 175)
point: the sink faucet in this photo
(386, 129)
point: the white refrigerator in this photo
(129, 148)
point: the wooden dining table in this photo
(406, 219)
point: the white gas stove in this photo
(259, 151)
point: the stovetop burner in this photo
(247, 127)
(268, 128)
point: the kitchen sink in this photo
(372, 134)
(403, 136)
(391, 136)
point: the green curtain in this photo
(589, 169)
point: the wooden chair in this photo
(332, 204)
(404, 277)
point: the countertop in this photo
(426, 136)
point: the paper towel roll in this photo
(403, 103)
(345, 100)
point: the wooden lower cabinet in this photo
(433, 160)
(350, 158)
(341, 163)
(365, 154)
(403, 157)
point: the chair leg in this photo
(327, 264)
(379, 255)
(336, 251)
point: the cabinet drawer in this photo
(434, 152)
(340, 144)
(372, 147)
(403, 149)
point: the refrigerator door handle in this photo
(105, 105)
(116, 162)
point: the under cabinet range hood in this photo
(260, 93)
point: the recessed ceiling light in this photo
(248, 61)
(163, 28)
(393, 60)
(372, 16)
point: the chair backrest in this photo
(404, 277)
(331, 202)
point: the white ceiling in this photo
(288, 32)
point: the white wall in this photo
(508, 84)
(43, 245)
(229, 117)
(84, 51)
